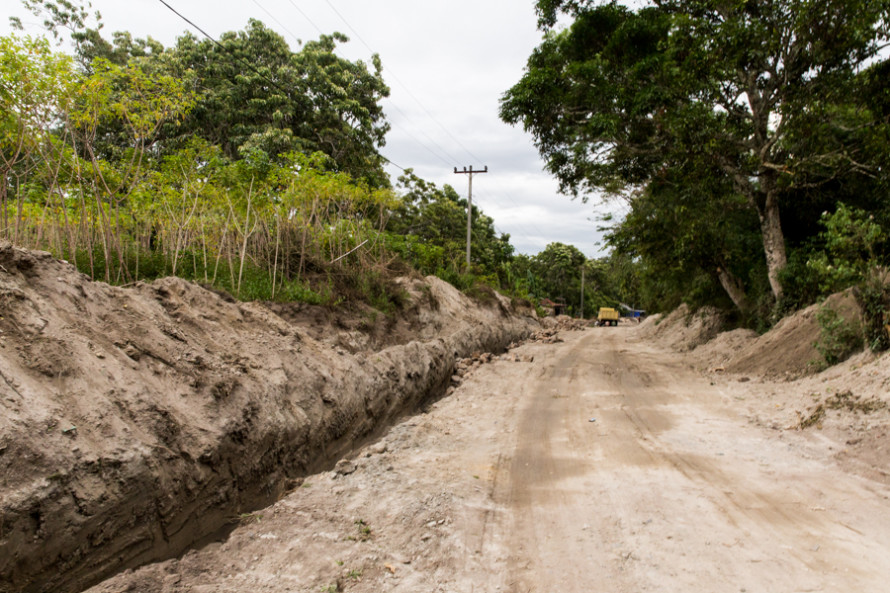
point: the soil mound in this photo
(788, 350)
(681, 329)
(137, 421)
(719, 351)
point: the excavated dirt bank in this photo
(137, 421)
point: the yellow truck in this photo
(607, 316)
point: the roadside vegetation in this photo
(242, 165)
(748, 141)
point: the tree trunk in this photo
(734, 288)
(773, 241)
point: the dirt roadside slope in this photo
(602, 464)
(775, 382)
(137, 421)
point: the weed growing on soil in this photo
(364, 531)
(845, 400)
(248, 518)
(842, 400)
(814, 419)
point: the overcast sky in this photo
(447, 64)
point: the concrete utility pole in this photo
(582, 291)
(471, 172)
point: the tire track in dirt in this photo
(507, 486)
(649, 497)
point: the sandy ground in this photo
(607, 463)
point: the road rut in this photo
(605, 465)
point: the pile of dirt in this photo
(719, 351)
(427, 308)
(788, 350)
(847, 404)
(681, 329)
(138, 421)
(565, 323)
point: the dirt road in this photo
(605, 465)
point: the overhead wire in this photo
(358, 36)
(306, 16)
(280, 24)
(248, 64)
(402, 84)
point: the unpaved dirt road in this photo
(605, 465)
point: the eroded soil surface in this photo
(604, 463)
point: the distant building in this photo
(553, 308)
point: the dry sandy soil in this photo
(136, 422)
(609, 462)
(664, 456)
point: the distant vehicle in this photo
(607, 316)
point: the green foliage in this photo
(851, 238)
(556, 274)
(838, 337)
(433, 224)
(258, 95)
(700, 240)
(757, 103)
(873, 296)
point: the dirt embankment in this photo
(137, 421)
(778, 380)
(787, 351)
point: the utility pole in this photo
(471, 172)
(582, 290)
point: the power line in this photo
(280, 24)
(438, 155)
(248, 64)
(224, 48)
(392, 163)
(420, 142)
(306, 16)
(404, 86)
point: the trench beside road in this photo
(606, 464)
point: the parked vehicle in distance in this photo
(607, 316)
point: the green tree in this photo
(36, 85)
(753, 88)
(558, 271)
(255, 93)
(438, 217)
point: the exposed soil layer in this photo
(602, 462)
(788, 351)
(137, 421)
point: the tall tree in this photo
(749, 86)
(438, 216)
(256, 94)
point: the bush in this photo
(839, 337)
(873, 295)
